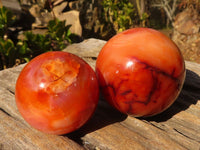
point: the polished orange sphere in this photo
(140, 71)
(57, 92)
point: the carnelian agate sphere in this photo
(57, 92)
(140, 72)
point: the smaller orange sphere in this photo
(140, 71)
(57, 92)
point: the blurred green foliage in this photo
(7, 47)
(56, 38)
(118, 13)
(6, 20)
(8, 52)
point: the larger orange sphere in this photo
(140, 71)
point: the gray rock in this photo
(41, 17)
(59, 8)
(72, 18)
(57, 2)
(88, 50)
(35, 11)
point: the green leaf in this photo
(6, 18)
(22, 48)
(26, 59)
(8, 47)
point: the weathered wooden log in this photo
(176, 128)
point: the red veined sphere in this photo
(57, 92)
(140, 72)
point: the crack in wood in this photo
(185, 135)
(156, 126)
(12, 92)
(1, 109)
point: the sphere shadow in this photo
(103, 116)
(189, 95)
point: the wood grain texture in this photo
(176, 128)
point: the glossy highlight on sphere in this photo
(140, 72)
(57, 92)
